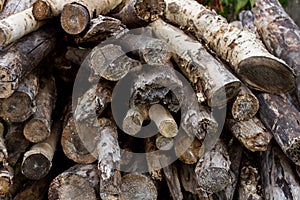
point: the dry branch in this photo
(241, 49)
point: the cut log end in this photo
(36, 131)
(74, 18)
(41, 10)
(156, 52)
(6, 88)
(267, 74)
(168, 128)
(293, 152)
(150, 10)
(134, 119)
(223, 95)
(36, 166)
(244, 107)
(214, 179)
(164, 143)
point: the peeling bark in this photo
(245, 53)
(6, 178)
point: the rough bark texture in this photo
(241, 49)
(279, 33)
(282, 119)
(6, 178)
(3, 149)
(37, 162)
(247, 19)
(200, 67)
(16, 26)
(138, 13)
(79, 182)
(134, 119)
(76, 16)
(46, 9)
(38, 127)
(21, 104)
(171, 176)
(15, 6)
(22, 57)
(245, 105)
(279, 180)
(213, 169)
(292, 10)
(252, 133)
(137, 186)
(163, 120)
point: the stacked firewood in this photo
(223, 99)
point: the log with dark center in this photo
(246, 54)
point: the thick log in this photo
(282, 119)
(245, 53)
(15, 6)
(22, 57)
(109, 62)
(76, 16)
(79, 182)
(46, 9)
(164, 120)
(213, 169)
(164, 143)
(279, 33)
(38, 128)
(3, 149)
(171, 176)
(134, 119)
(16, 26)
(37, 161)
(252, 133)
(245, 105)
(279, 180)
(139, 13)
(150, 50)
(138, 186)
(21, 104)
(218, 84)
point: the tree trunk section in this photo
(200, 67)
(245, 53)
(15, 6)
(134, 119)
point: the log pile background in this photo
(248, 70)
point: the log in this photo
(282, 119)
(22, 57)
(247, 19)
(2, 2)
(3, 149)
(134, 119)
(78, 182)
(213, 169)
(76, 16)
(245, 53)
(163, 120)
(218, 84)
(38, 128)
(279, 33)
(139, 13)
(163, 143)
(252, 133)
(291, 8)
(279, 180)
(21, 104)
(171, 176)
(15, 6)
(37, 161)
(76, 55)
(150, 50)
(6, 178)
(138, 186)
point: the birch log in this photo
(15, 6)
(282, 119)
(241, 49)
(279, 180)
(46, 9)
(37, 161)
(218, 84)
(134, 119)
(76, 16)
(252, 133)
(138, 13)
(21, 104)
(279, 33)
(78, 182)
(22, 57)
(16, 26)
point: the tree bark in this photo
(200, 67)
(247, 20)
(76, 16)
(22, 57)
(279, 180)
(245, 105)
(292, 7)
(213, 169)
(282, 119)
(139, 13)
(21, 104)
(15, 6)
(6, 178)
(242, 50)
(46, 9)
(252, 133)
(79, 182)
(134, 119)
(3, 149)
(138, 186)
(37, 161)
(171, 176)
(38, 127)
(279, 33)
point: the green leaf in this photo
(240, 4)
(252, 2)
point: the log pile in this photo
(148, 99)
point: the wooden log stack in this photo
(148, 99)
